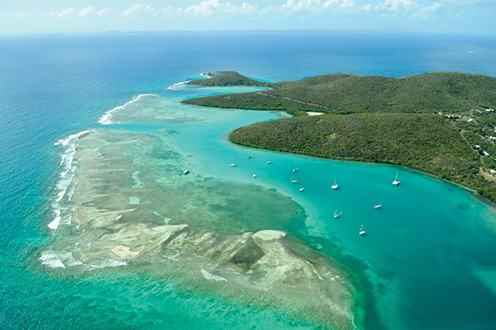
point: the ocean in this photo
(93, 147)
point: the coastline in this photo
(88, 210)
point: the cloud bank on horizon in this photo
(56, 16)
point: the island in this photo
(441, 123)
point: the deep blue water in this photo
(54, 86)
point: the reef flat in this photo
(132, 206)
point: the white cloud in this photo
(86, 11)
(103, 11)
(65, 12)
(467, 2)
(135, 9)
(209, 7)
(426, 12)
(315, 6)
(404, 7)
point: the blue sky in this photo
(69, 16)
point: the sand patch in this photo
(124, 253)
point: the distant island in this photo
(441, 123)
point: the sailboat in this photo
(233, 164)
(254, 175)
(301, 188)
(378, 206)
(293, 179)
(362, 232)
(336, 214)
(294, 168)
(396, 182)
(335, 185)
(249, 156)
(267, 162)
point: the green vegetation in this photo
(224, 79)
(425, 142)
(380, 119)
(451, 92)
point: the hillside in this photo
(399, 121)
(423, 142)
(225, 79)
(452, 92)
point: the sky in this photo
(89, 16)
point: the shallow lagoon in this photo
(428, 238)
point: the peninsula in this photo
(441, 123)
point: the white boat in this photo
(186, 172)
(249, 156)
(396, 182)
(233, 164)
(335, 185)
(336, 214)
(294, 168)
(254, 175)
(293, 179)
(362, 232)
(267, 162)
(378, 206)
(301, 188)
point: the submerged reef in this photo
(132, 206)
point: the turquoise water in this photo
(426, 263)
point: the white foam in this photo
(178, 86)
(66, 175)
(62, 186)
(55, 223)
(51, 260)
(108, 263)
(212, 277)
(68, 139)
(106, 119)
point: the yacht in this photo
(293, 179)
(186, 172)
(335, 185)
(249, 156)
(267, 162)
(396, 182)
(301, 188)
(233, 164)
(254, 175)
(336, 214)
(294, 168)
(378, 206)
(362, 232)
